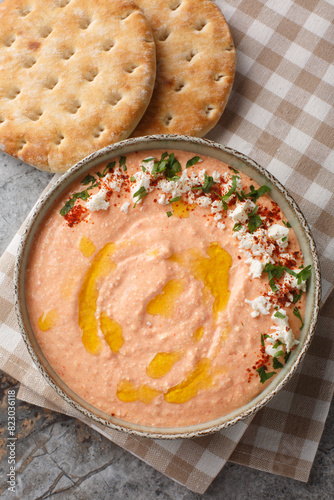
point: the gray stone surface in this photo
(59, 457)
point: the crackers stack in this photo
(78, 75)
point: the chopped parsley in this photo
(304, 274)
(110, 166)
(88, 179)
(279, 315)
(277, 364)
(193, 161)
(240, 196)
(122, 163)
(169, 214)
(278, 354)
(296, 297)
(296, 312)
(83, 195)
(167, 165)
(140, 194)
(231, 190)
(276, 272)
(229, 193)
(264, 376)
(177, 198)
(287, 356)
(237, 226)
(208, 183)
(255, 194)
(254, 221)
(277, 344)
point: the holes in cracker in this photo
(13, 93)
(68, 53)
(178, 87)
(59, 139)
(51, 82)
(45, 31)
(98, 131)
(84, 23)
(29, 62)
(163, 34)
(130, 68)
(126, 14)
(25, 11)
(20, 145)
(9, 40)
(200, 25)
(107, 45)
(175, 4)
(34, 114)
(208, 109)
(114, 98)
(74, 106)
(167, 119)
(90, 74)
(190, 55)
(218, 77)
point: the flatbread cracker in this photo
(195, 67)
(76, 75)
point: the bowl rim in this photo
(47, 371)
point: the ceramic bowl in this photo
(199, 147)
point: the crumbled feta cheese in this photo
(282, 331)
(240, 213)
(98, 201)
(278, 233)
(201, 176)
(125, 207)
(292, 281)
(259, 305)
(216, 206)
(114, 180)
(239, 182)
(272, 351)
(203, 201)
(141, 180)
(162, 199)
(216, 176)
(149, 165)
(191, 198)
(256, 267)
(176, 188)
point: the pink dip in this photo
(144, 315)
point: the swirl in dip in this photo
(166, 290)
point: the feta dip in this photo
(166, 289)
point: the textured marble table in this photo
(59, 457)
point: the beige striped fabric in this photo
(279, 114)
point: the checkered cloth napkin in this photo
(279, 114)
